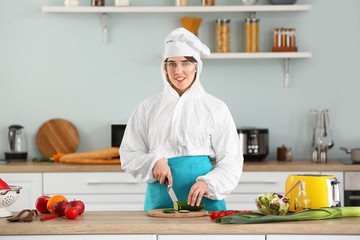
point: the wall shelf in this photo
(174, 9)
(199, 9)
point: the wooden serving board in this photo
(57, 136)
(159, 213)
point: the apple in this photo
(41, 204)
(79, 205)
(60, 208)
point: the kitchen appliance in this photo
(254, 142)
(16, 144)
(117, 131)
(7, 198)
(352, 189)
(322, 139)
(355, 154)
(323, 190)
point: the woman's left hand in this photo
(197, 191)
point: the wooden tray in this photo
(159, 213)
(57, 136)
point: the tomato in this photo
(71, 212)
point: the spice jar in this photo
(97, 3)
(179, 3)
(72, 3)
(252, 34)
(207, 2)
(222, 35)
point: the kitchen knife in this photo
(171, 191)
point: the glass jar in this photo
(207, 2)
(97, 3)
(122, 3)
(179, 3)
(72, 3)
(302, 201)
(252, 34)
(222, 35)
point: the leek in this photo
(310, 214)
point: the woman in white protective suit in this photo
(174, 134)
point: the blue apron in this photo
(184, 171)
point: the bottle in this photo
(252, 34)
(207, 2)
(302, 201)
(97, 3)
(222, 35)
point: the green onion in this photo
(310, 214)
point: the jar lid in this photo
(251, 20)
(222, 21)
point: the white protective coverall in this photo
(167, 125)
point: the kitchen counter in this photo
(137, 222)
(267, 165)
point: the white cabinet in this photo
(100, 191)
(211, 237)
(31, 184)
(82, 237)
(312, 237)
(253, 183)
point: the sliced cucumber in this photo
(168, 210)
(184, 211)
(182, 205)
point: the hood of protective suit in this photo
(183, 43)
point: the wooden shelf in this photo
(260, 55)
(174, 9)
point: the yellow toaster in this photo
(323, 190)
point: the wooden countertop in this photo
(139, 223)
(267, 165)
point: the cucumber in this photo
(168, 210)
(184, 211)
(182, 205)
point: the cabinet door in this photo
(31, 184)
(81, 237)
(212, 237)
(114, 191)
(340, 177)
(312, 237)
(253, 183)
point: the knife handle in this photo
(166, 182)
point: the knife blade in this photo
(171, 191)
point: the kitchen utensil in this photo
(254, 142)
(57, 136)
(16, 144)
(323, 190)
(159, 213)
(28, 218)
(250, 2)
(7, 198)
(355, 153)
(171, 191)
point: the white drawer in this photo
(263, 182)
(91, 183)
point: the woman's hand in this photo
(161, 171)
(198, 190)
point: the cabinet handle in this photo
(96, 182)
(259, 182)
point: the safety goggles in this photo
(185, 66)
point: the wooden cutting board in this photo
(159, 213)
(57, 136)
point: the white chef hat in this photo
(181, 42)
